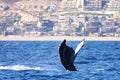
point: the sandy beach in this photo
(56, 38)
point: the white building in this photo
(69, 5)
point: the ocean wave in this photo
(19, 67)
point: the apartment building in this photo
(92, 5)
(113, 5)
(70, 5)
(34, 5)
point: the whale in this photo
(67, 55)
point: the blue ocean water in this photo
(38, 60)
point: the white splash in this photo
(19, 67)
(100, 69)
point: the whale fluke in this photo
(67, 55)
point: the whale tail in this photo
(67, 55)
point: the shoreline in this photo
(56, 38)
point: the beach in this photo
(56, 38)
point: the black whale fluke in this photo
(67, 55)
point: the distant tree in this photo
(17, 31)
(48, 25)
(6, 8)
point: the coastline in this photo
(56, 38)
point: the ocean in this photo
(39, 60)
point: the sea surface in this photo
(39, 60)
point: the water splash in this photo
(23, 67)
(19, 68)
(100, 69)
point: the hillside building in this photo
(113, 5)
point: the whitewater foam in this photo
(19, 67)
